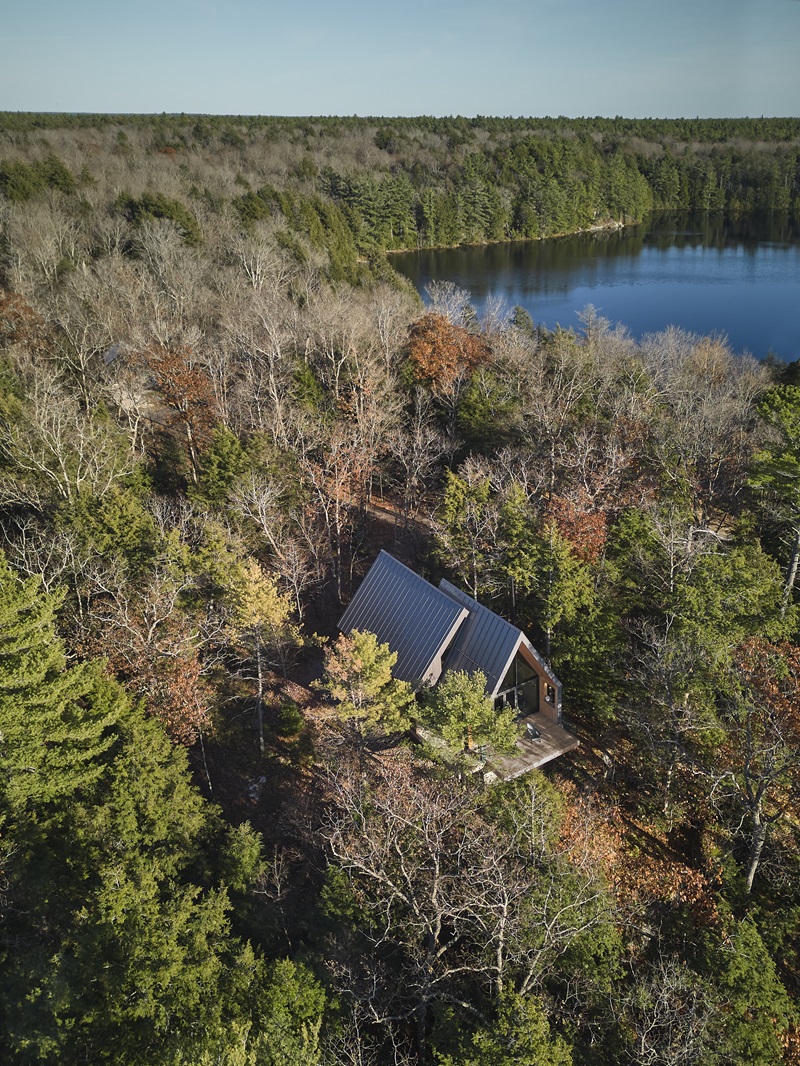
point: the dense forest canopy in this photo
(355, 187)
(217, 401)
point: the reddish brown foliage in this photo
(175, 692)
(188, 394)
(151, 647)
(439, 351)
(772, 673)
(585, 529)
(638, 875)
(21, 324)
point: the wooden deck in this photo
(552, 742)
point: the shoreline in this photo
(610, 226)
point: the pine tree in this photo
(54, 724)
(358, 676)
(462, 713)
(115, 940)
(260, 628)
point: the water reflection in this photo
(740, 278)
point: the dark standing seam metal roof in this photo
(406, 612)
(484, 642)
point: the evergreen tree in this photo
(461, 712)
(115, 943)
(259, 627)
(520, 1036)
(358, 676)
(55, 724)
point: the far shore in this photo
(609, 226)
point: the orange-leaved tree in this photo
(188, 393)
(440, 353)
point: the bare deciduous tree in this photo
(55, 448)
(262, 501)
(417, 448)
(670, 1014)
(448, 898)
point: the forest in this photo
(218, 401)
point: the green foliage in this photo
(292, 1020)
(775, 906)
(754, 1007)
(633, 552)
(522, 321)
(358, 677)
(550, 172)
(20, 182)
(338, 904)
(485, 414)
(131, 959)
(519, 554)
(55, 725)
(221, 463)
(152, 206)
(390, 139)
(527, 185)
(116, 526)
(779, 467)
(562, 586)
(776, 469)
(308, 389)
(714, 593)
(319, 221)
(464, 515)
(588, 654)
(532, 801)
(519, 1036)
(460, 711)
(259, 612)
(735, 594)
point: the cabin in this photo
(435, 629)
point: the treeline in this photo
(203, 442)
(458, 127)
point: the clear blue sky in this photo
(435, 57)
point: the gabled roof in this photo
(434, 630)
(405, 611)
(484, 642)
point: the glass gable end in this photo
(520, 687)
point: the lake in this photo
(706, 275)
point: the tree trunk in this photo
(668, 786)
(756, 847)
(205, 761)
(260, 698)
(192, 454)
(791, 571)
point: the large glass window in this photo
(520, 687)
(518, 672)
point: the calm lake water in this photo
(739, 279)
